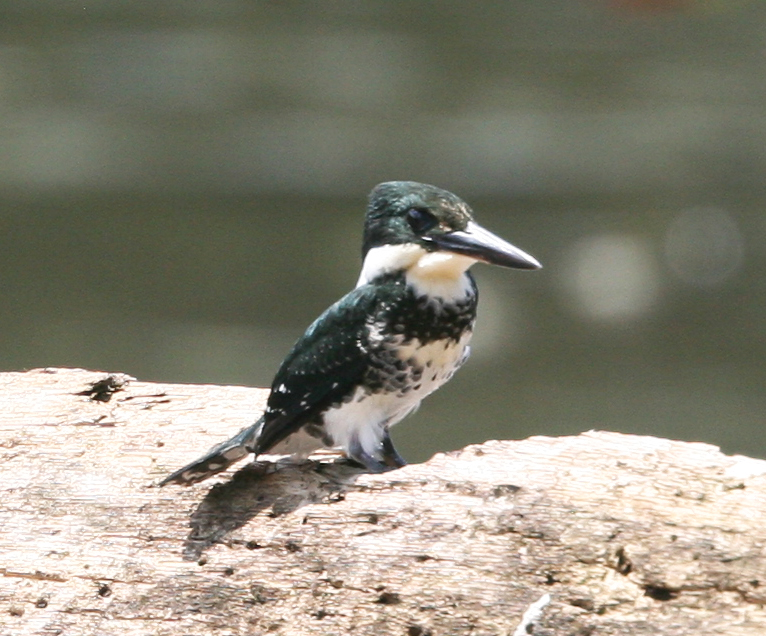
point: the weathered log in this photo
(627, 534)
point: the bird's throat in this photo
(437, 274)
(440, 274)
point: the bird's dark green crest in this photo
(386, 220)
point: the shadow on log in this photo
(627, 534)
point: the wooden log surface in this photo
(626, 534)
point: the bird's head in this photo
(408, 221)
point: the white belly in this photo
(367, 415)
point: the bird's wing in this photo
(323, 368)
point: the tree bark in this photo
(627, 534)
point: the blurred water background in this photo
(182, 186)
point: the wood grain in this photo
(629, 535)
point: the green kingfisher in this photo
(369, 360)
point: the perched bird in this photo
(369, 360)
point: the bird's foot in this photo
(384, 460)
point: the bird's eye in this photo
(421, 220)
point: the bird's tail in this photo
(218, 458)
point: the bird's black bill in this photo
(482, 245)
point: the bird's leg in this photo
(389, 458)
(357, 454)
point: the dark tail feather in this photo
(218, 458)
